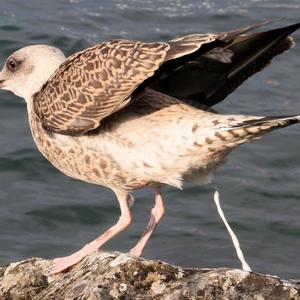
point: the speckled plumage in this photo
(94, 83)
(108, 115)
(181, 142)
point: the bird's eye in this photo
(12, 64)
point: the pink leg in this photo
(157, 213)
(63, 263)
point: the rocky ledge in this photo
(112, 275)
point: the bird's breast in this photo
(132, 154)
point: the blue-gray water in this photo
(44, 213)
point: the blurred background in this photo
(44, 213)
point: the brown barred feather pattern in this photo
(95, 83)
(99, 81)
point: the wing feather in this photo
(93, 84)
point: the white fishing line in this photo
(235, 240)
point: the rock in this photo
(112, 275)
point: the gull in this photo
(130, 114)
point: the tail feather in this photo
(252, 129)
(273, 122)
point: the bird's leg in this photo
(63, 263)
(157, 213)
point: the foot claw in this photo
(135, 252)
(64, 263)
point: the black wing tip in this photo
(226, 36)
(291, 28)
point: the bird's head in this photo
(26, 70)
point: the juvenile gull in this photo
(129, 114)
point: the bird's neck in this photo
(34, 122)
(34, 88)
(32, 117)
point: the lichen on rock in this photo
(113, 275)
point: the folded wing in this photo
(93, 84)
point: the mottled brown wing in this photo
(93, 84)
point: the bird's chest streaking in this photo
(75, 158)
(136, 149)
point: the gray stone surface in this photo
(112, 275)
